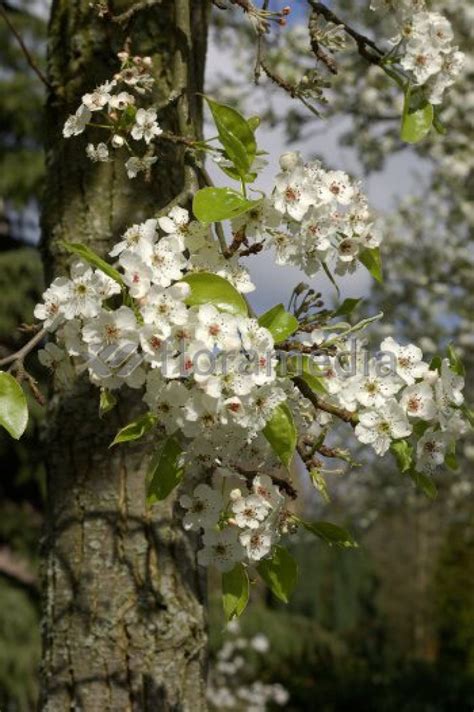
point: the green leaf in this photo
(235, 135)
(107, 401)
(279, 322)
(254, 122)
(435, 364)
(304, 366)
(86, 254)
(207, 288)
(235, 591)
(320, 484)
(280, 432)
(439, 126)
(424, 483)
(330, 533)
(416, 121)
(165, 471)
(468, 414)
(136, 429)
(450, 459)
(216, 204)
(347, 307)
(372, 261)
(420, 428)
(280, 573)
(455, 362)
(403, 452)
(13, 406)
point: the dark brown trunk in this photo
(124, 626)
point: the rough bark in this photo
(124, 625)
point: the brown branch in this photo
(283, 484)
(21, 354)
(138, 7)
(365, 46)
(24, 48)
(289, 88)
(318, 51)
(174, 138)
(320, 404)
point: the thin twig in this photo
(218, 225)
(21, 354)
(283, 484)
(24, 48)
(138, 7)
(364, 44)
(286, 86)
(259, 57)
(346, 415)
(318, 51)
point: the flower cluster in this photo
(398, 395)
(230, 685)
(424, 42)
(114, 105)
(202, 368)
(314, 217)
(240, 523)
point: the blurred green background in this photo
(388, 626)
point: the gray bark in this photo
(124, 624)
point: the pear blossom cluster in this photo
(314, 217)
(424, 41)
(397, 395)
(201, 368)
(113, 107)
(229, 687)
(238, 523)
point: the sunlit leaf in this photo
(13, 406)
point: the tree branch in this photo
(24, 48)
(365, 46)
(22, 353)
(346, 415)
(318, 51)
(138, 7)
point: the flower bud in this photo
(289, 161)
(117, 141)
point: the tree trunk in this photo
(124, 625)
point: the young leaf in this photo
(372, 261)
(424, 483)
(235, 591)
(435, 364)
(235, 135)
(216, 204)
(450, 460)
(207, 288)
(416, 122)
(13, 406)
(455, 362)
(280, 573)
(107, 401)
(330, 533)
(280, 432)
(304, 366)
(279, 323)
(403, 452)
(89, 256)
(468, 413)
(165, 471)
(347, 307)
(136, 429)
